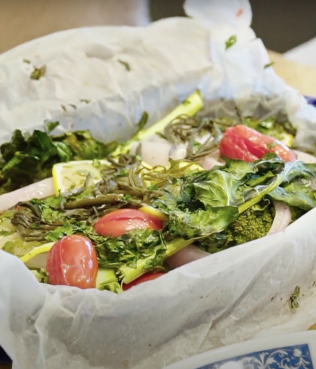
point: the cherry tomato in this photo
(243, 143)
(72, 261)
(120, 221)
(144, 278)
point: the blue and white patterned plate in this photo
(293, 351)
(311, 100)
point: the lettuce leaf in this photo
(29, 158)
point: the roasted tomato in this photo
(243, 143)
(72, 261)
(120, 221)
(144, 278)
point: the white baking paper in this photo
(225, 298)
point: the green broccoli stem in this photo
(107, 280)
(130, 274)
(189, 107)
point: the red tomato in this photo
(144, 278)
(243, 143)
(72, 261)
(120, 221)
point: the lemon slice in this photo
(154, 212)
(37, 257)
(73, 174)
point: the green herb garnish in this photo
(231, 41)
(125, 64)
(38, 73)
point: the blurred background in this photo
(281, 24)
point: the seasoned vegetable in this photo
(241, 142)
(25, 159)
(214, 209)
(72, 261)
(254, 223)
(145, 278)
(121, 221)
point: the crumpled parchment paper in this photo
(225, 298)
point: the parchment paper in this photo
(228, 297)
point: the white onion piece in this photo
(178, 152)
(282, 217)
(185, 256)
(305, 158)
(154, 153)
(38, 190)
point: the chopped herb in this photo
(85, 101)
(126, 65)
(63, 107)
(26, 61)
(153, 188)
(230, 42)
(38, 73)
(73, 106)
(294, 297)
(126, 196)
(49, 126)
(269, 65)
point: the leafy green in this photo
(49, 126)
(28, 158)
(216, 208)
(299, 188)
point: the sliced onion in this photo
(38, 190)
(185, 256)
(178, 152)
(154, 153)
(282, 217)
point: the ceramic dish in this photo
(294, 351)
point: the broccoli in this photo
(296, 213)
(251, 224)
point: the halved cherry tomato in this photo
(243, 143)
(120, 221)
(144, 278)
(72, 261)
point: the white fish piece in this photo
(38, 190)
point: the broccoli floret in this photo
(252, 224)
(296, 213)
